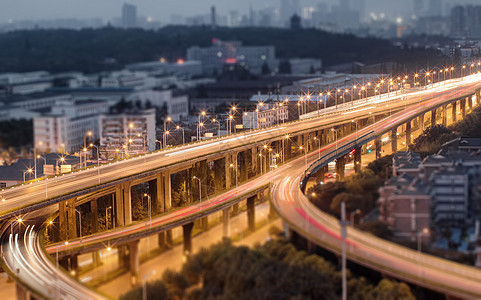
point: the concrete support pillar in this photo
(72, 219)
(228, 171)
(123, 257)
(21, 292)
(454, 112)
(378, 147)
(421, 122)
(433, 119)
(62, 221)
(161, 240)
(134, 263)
(95, 216)
(251, 212)
(218, 176)
(357, 160)
(187, 234)
(226, 223)
(463, 108)
(159, 181)
(254, 158)
(127, 193)
(119, 206)
(288, 144)
(444, 111)
(167, 191)
(394, 140)
(408, 133)
(340, 168)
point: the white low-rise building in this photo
(177, 106)
(127, 133)
(266, 114)
(68, 126)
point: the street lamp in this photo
(150, 208)
(29, 170)
(200, 191)
(198, 130)
(143, 140)
(166, 133)
(343, 224)
(98, 158)
(106, 218)
(214, 120)
(88, 133)
(144, 285)
(335, 132)
(352, 215)
(183, 136)
(160, 144)
(80, 223)
(319, 142)
(62, 160)
(420, 234)
(168, 119)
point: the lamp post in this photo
(168, 119)
(166, 133)
(88, 133)
(150, 208)
(343, 224)
(200, 191)
(305, 155)
(29, 170)
(106, 218)
(319, 142)
(419, 236)
(80, 223)
(352, 215)
(61, 159)
(198, 130)
(160, 144)
(335, 132)
(143, 140)
(144, 285)
(214, 120)
(183, 136)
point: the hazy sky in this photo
(160, 10)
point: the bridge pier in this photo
(357, 160)
(226, 222)
(95, 216)
(394, 140)
(187, 235)
(228, 173)
(454, 111)
(433, 117)
(254, 155)
(421, 122)
(340, 168)
(251, 212)
(62, 221)
(134, 263)
(378, 147)
(408, 131)
(444, 110)
(159, 199)
(462, 107)
(218, 171)
(22, 293)
(242, 166)
(72, 219)
(167, 191)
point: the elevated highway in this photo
(291, 204)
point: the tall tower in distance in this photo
(213, 17)
(345, 4)
(129, 15)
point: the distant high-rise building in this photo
(435, 8)
(345, 4)
(458, 21)
(359, 6)
(418, 7)
(213, 17)
(129, 15)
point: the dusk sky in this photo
(160, 10)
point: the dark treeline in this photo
(276, 270)
(93, 50)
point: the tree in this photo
(430, 141)
(285, 67)
(265, 69)
(295, 22)
(469, 126)
(377, 228)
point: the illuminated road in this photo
(55, 189)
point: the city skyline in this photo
(161, 12)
